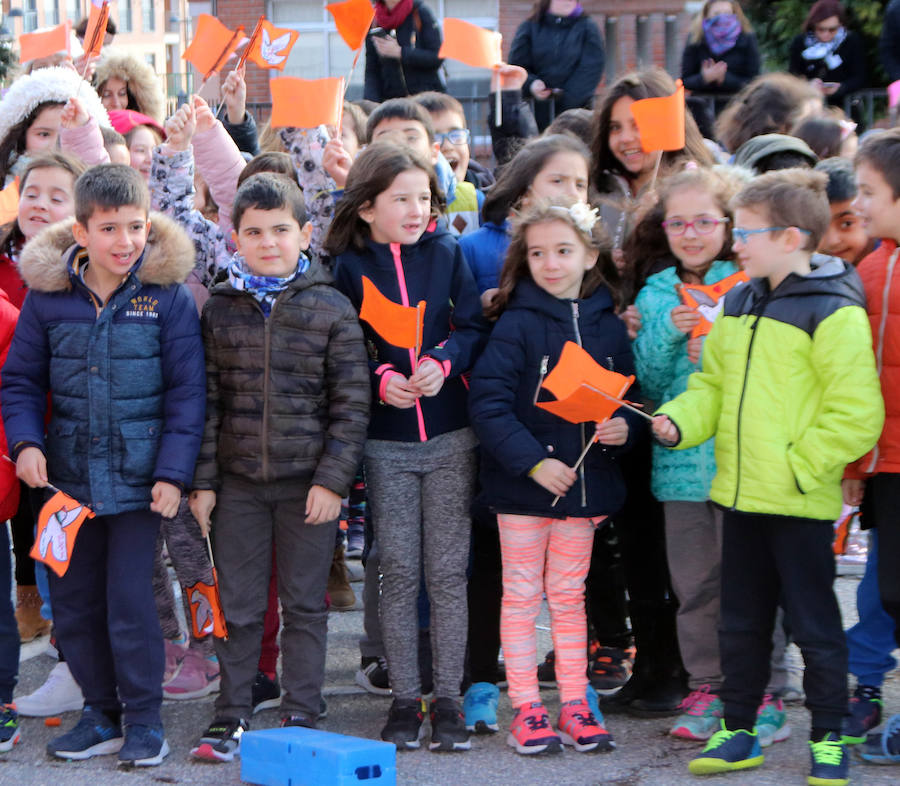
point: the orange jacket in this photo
(880, 273)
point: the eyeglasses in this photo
(456, 136)
(702, 226)
(743, 235)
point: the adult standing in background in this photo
(829, 55)
(402, 51)
(721, 55)
(561, 49)
(890, 41)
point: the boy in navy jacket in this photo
(109, 331)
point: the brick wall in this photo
(232, 13)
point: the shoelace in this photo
(828, 752)
(719, 738)
(697, 702)
(537, 722)
(585, 718)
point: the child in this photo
(846, 237)
(551, 291)
(790, 392)
(288, 402)
(108, 329)
(419, 458)
(126, 82)
(874, 482)
(696, 218)
(142, 134)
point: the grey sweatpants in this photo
(420, 495)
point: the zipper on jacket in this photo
(575, 316)
(267, 360)
(545, 361)
(879, 355)
(737, 484)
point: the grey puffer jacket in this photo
(288, 395)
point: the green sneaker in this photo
(829, 762)
(771, 722)
(728, 751)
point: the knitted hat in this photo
(756, 148)
(123, 120)
(59, 84)
(140, 79)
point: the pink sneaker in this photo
(174, 655)
(197, 676)
(579, 728)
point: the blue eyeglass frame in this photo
(743, 235)
(439, 138)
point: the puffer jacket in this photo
(288, 395)
(880, 274)
(516, 435)
(9, 483)
(663, 368)
(484, 250)
(127, 385)
(790, 391)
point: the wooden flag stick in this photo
(49, 484)
(246, 53)
(623, 403)
(577, 465)
(656, 170)
(212, 562)
(498, 99)
(220, 61)
(352, 69)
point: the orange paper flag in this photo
(579, 383)
(270, 46)
(471, 44)
(398, 325)
(58, 525)
(95, 32)
(661, 121)
(9, 202)
(212, 45)
(353, 19)
(45, 43)
(206, 609)
(707, 300)
(306, 103)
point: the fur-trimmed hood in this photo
(47, 84)
(140, 78)
(168, 257)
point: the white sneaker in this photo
(59, 693)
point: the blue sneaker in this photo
(594, 702)
(480, 707)
(829, 762)
(884, 747)
(145, 746)
(728, 751)
(93, 735)
(9, 727)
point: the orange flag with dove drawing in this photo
(270, 46)
(707, 299)
(584, 390)
(400, 326)
(353, 18)
(58, 523)
(660, 121)
(212, 45)
(206, 609)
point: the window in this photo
(51, 13)
(150, 60)
(125, 21)
(73, 10)
(30, 20)
(148, 16)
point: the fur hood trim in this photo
(47, 84)
(141, 79)
(168, 257)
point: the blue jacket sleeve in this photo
(184, 400)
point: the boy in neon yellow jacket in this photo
(790, 391)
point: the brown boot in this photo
(340, 593)
(28, 614)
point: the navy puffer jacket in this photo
(127, 385)
(515, 434)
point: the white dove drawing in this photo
(54, 535)
(269, 49)
(203, 615)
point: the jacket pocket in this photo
(66, 457)
(138, 449)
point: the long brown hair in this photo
(372, 173)
(651, 83)
(515, 265)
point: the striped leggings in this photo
(552, 556)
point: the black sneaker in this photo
(221, 741)
(94, 735)
(404, 723)
(546, 671)
(298, 720)
(610, 668)
(265, 693)
(373, 676)
(863, 714)
(448, 727)
(145, 746)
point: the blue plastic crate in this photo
(294, 756)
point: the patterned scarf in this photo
(721, 32)
(391, 20)
(263, 288)
(825, 50)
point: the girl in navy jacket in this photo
(420, 454)
(551, 292)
